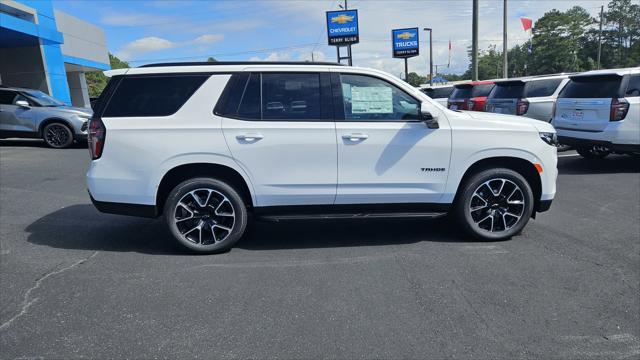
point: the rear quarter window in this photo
(592, 87)
(152, 95)
(540, 88)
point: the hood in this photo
(505, 120)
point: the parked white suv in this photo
(533, 97)
(598, 112)
(206, 144)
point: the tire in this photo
(593, 152)
(205, 215)
(57, 135)
(490, 217)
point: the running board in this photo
(377, 215)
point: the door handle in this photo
(355, 137)
(249, 137)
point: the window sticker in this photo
(370, 100)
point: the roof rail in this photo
(221, 63)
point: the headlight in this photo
(549, 137)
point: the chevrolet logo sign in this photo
(342, 19)
(405, 35)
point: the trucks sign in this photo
(405, 43)
(342, 27)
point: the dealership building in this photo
(46, 49)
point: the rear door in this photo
(386, 154)
(585, 102)
(504, 96)
(280, 129)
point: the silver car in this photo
(28, 113)
(532, 97)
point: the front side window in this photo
(367, 98)
(43, 99)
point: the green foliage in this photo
(414, 79)
(211, 59)
(567, 41)
(96, 81)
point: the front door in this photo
(13, 118)
(386, 154)
(283, 136)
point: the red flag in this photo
(449, 63)
(526, 23)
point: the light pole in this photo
(474, 42)
(505, 62)
(430, 55)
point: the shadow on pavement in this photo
(38, 143)
(612, 164)
(83, 227)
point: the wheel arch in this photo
(183, 172)
(51, 120)
(522, 166)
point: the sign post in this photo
(342, 31)
(405, 44)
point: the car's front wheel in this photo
(205, 215)
(57, 135)
(494, 204)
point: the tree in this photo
(415, 80)
(96, 80)
(211, 59)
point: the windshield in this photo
(592, 87)
(507, 90)
(43, 99)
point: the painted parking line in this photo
(569, 155)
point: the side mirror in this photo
(23, 104)
(427, 117)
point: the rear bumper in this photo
(544, 205)
(147, 211)
(578, 142)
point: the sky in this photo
(150, 31)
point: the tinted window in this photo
(507, 90)
(438, 93)
(633, 89)
(152, 95)
(250, 102)
(290, 96)
(538, 88)
(461, 92)
(481, 90)
(592, 87)
(6, 97)
(369, 98)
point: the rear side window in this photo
(290, 96)
(481, 90)
(461, 92)
(539, 88)
(592, 87)
(152, 95)
(507, 90)
(633, 89)
(250, 102)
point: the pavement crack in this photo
(27, 301)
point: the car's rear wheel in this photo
(494, 204)
(593, 152)
(57, 135)
(205, 215)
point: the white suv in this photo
(205, 144)
(598, 112)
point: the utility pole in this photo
(348, 46)
(505, 62)
(430, 54)
(600, 37)
(474, 42)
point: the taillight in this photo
(521, 107)
(619, 109)
(96, 136)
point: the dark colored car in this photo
(470, 96)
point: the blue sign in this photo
(405, 42)
(342, 27)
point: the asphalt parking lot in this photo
(77, 283)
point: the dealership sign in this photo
(405, 42)
(342, 27)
